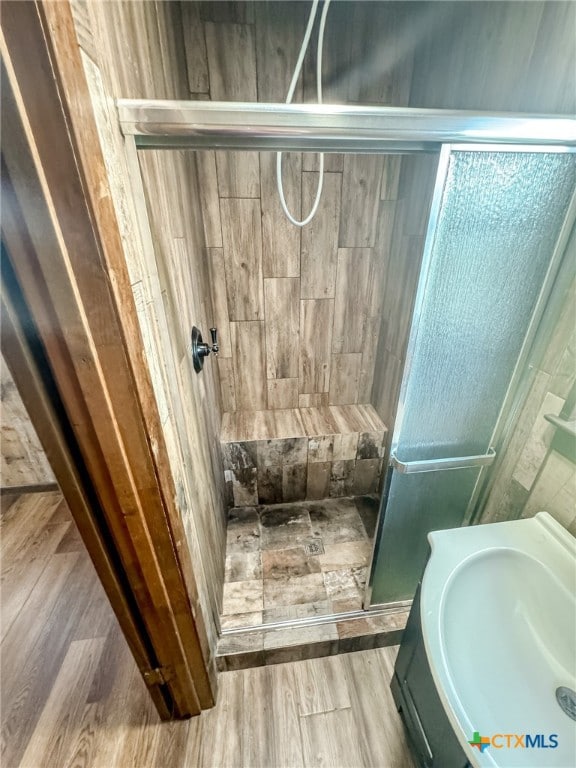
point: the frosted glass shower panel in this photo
(441, 495)
(499, 214)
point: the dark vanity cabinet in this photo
(432, 739)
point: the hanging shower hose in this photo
(291, 90)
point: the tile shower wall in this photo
(404, 54)
(554, 490)
(297, 309)
(136, 50)
(531, 475)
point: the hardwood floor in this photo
(72, 696)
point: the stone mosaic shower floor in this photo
(291, 561)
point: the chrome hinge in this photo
(158, 676)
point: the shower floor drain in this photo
(314, 547)
(566, 697)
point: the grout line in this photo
(203, 25)
(237, 197)
(23, 489)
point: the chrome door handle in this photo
(434, 465)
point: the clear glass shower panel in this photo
(498, 215)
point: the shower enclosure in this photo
(490, 256)
(500, 216)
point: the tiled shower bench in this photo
(302, 453)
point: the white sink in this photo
(498, 613)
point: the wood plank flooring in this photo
(72, 696)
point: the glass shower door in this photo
(496, 216)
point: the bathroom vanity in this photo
(432, 738)
(489, 651)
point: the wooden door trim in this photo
(65, 246)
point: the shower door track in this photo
(319, 619)
(163, 124)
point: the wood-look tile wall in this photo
(22, 458)
(357, 263)
(137, 50)
(292, 306)
(295, 307)
(530, 475)
(503, 56)
(393, 315)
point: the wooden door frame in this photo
(64, 247)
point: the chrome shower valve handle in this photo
(200, 349)
(214, 334)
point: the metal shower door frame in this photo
(257, 126)
(521, 377)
